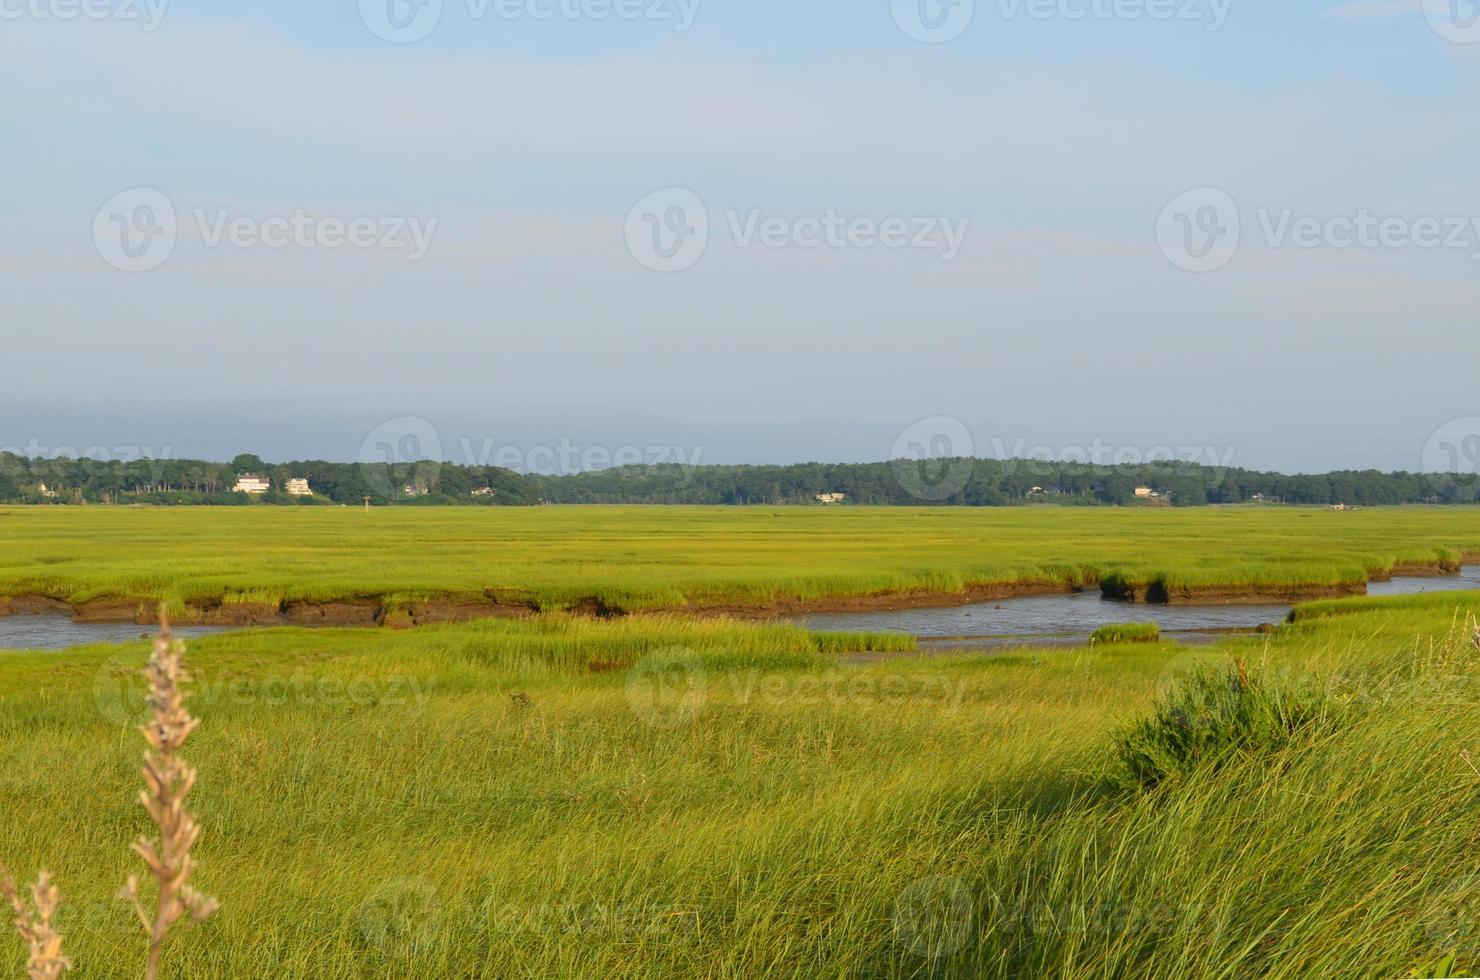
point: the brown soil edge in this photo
(1434, 569)
(879, 602)
(372, 611)
(347, 612)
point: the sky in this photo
(757, 232)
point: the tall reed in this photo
(169, 781)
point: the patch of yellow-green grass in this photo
(877, 642)
(1126, 633)
(646, 558)
(1403, 606)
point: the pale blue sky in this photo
(1056, 142)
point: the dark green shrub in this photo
(1218, 713)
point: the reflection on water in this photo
(1070, 615)
(1075, 616)
(54, 631)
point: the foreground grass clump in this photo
(1126, 633)
(1215, 714)
(660, 797)
(865, 642)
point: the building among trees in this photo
(251, 483)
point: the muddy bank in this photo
(882, 602)
(344, 612)
(371, 611)
(32, 605)
(1435, 569)
(425, 612)
(595, 607)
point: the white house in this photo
(1146, 493)
(47, 491)
(412, 490)
(299, 488)
(483, 492)
(251, 483)
(831, 498)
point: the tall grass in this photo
(427, 803)
(864, 642)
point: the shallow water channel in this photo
(57, 631)
(1072, 617)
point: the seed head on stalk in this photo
(167, 782)
(45, 961)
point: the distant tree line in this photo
(960, 482)
(997, 483)
(188, 481)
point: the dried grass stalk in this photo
(168, 781)
(45, 961)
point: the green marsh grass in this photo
(1126, 633)
(1399, 606)
(644, 558)
(538, 798)
(864, 642)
